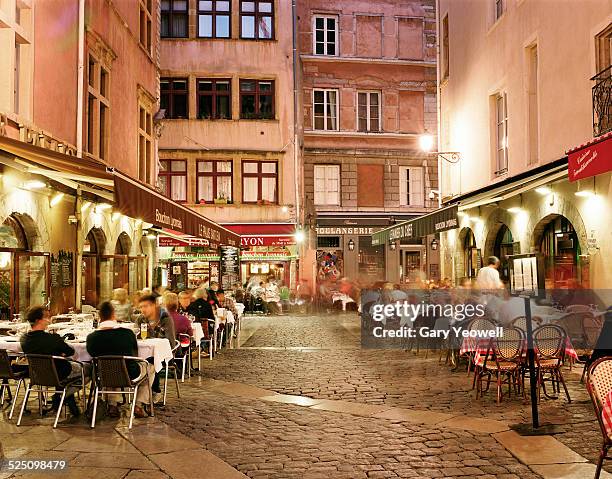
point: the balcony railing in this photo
(602, 102)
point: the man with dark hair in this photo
(110, 339)
(159, 325)
(39, 341)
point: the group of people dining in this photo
(163, 315)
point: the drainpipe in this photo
(79, 143)
(296, 145)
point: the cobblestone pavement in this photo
(320, 357)
(272, 440)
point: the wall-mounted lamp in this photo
(299, 236)
(434, 244)
(56, 199)
(34, 185)
(392, 246)
(351, 245)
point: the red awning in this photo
(137, 200)
(264, 234)
(590, 159)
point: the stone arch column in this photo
(493, 224)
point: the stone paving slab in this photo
(477, 424)
(207, 465)
(103, 460)
(78, 473)
(535, 450)
(413, 415)
(569, 471)
(157, 438)
(356, 409)
(291, 399)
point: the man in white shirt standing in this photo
(488, 277)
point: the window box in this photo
(220, 201)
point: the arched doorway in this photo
(24, 274)
(502, 248)
(137, 267)
(120, 261)
(470, 254)
(95, 243)
(556, 239)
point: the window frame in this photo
(256, 14)
(325, 31)
(327, 167)
(170, 14)
(325, 102)
(368, 112)
(145, 9)
(499, 8)
(169, 174)
(99, 122)
(257, 93)
(145, 135)
(445, 48)
(213, 14)
(501, 150)
(214, 174)
(169, 115)
(214, 94)
(405, 181)
(259, 175)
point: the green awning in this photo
(439, 220)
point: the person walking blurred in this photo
(122, 305)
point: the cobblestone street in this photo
(320, 358)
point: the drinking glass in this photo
(144, 331)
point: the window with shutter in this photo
(327, 184)
(412, 191)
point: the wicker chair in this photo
(43, 375)
(504, 360)
(7, 374)
(599, 385)
(573, 325)
(479, 324)
(549, 343)
(111, 377)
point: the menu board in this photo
(66, 266)
(55, 272)
(524, 275)
(62, 269)
(230, 266)
(214, 272)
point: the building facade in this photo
(367, 93)
(78, 88)
(512, 128)
(228, 145)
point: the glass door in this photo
(90, 280)
(6, 285)
(32, 280)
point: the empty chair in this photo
(505, 362)
(43, 375)
(111, 376)
(599, 385)
(549, 344)
(8, 374)
(184, 341)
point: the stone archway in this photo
(123, 244)
(459, 257)
(545, 214)
(496, 220)
(97, 241)
(26, 227)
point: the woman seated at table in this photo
(182, 325)
(203, 311)
(122, 305)
(112, 340)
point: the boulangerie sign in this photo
(590, 160)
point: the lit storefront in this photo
(74, 231)
(538, 211)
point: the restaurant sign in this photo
(169, 241)
(137, 200)
(435, 222)
(589, 160)
(267, 240)
(344, 230)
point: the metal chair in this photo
(504, 359)
(549, 343)
(599, 386)
(111, 376)
(171, 364)
(479, 324)
(184, 341)
(7, 374)
(43, 375)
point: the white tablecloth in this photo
(158, 348)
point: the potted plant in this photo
(221, 199)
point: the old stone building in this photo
(368, 92)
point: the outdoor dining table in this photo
(157, 348)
